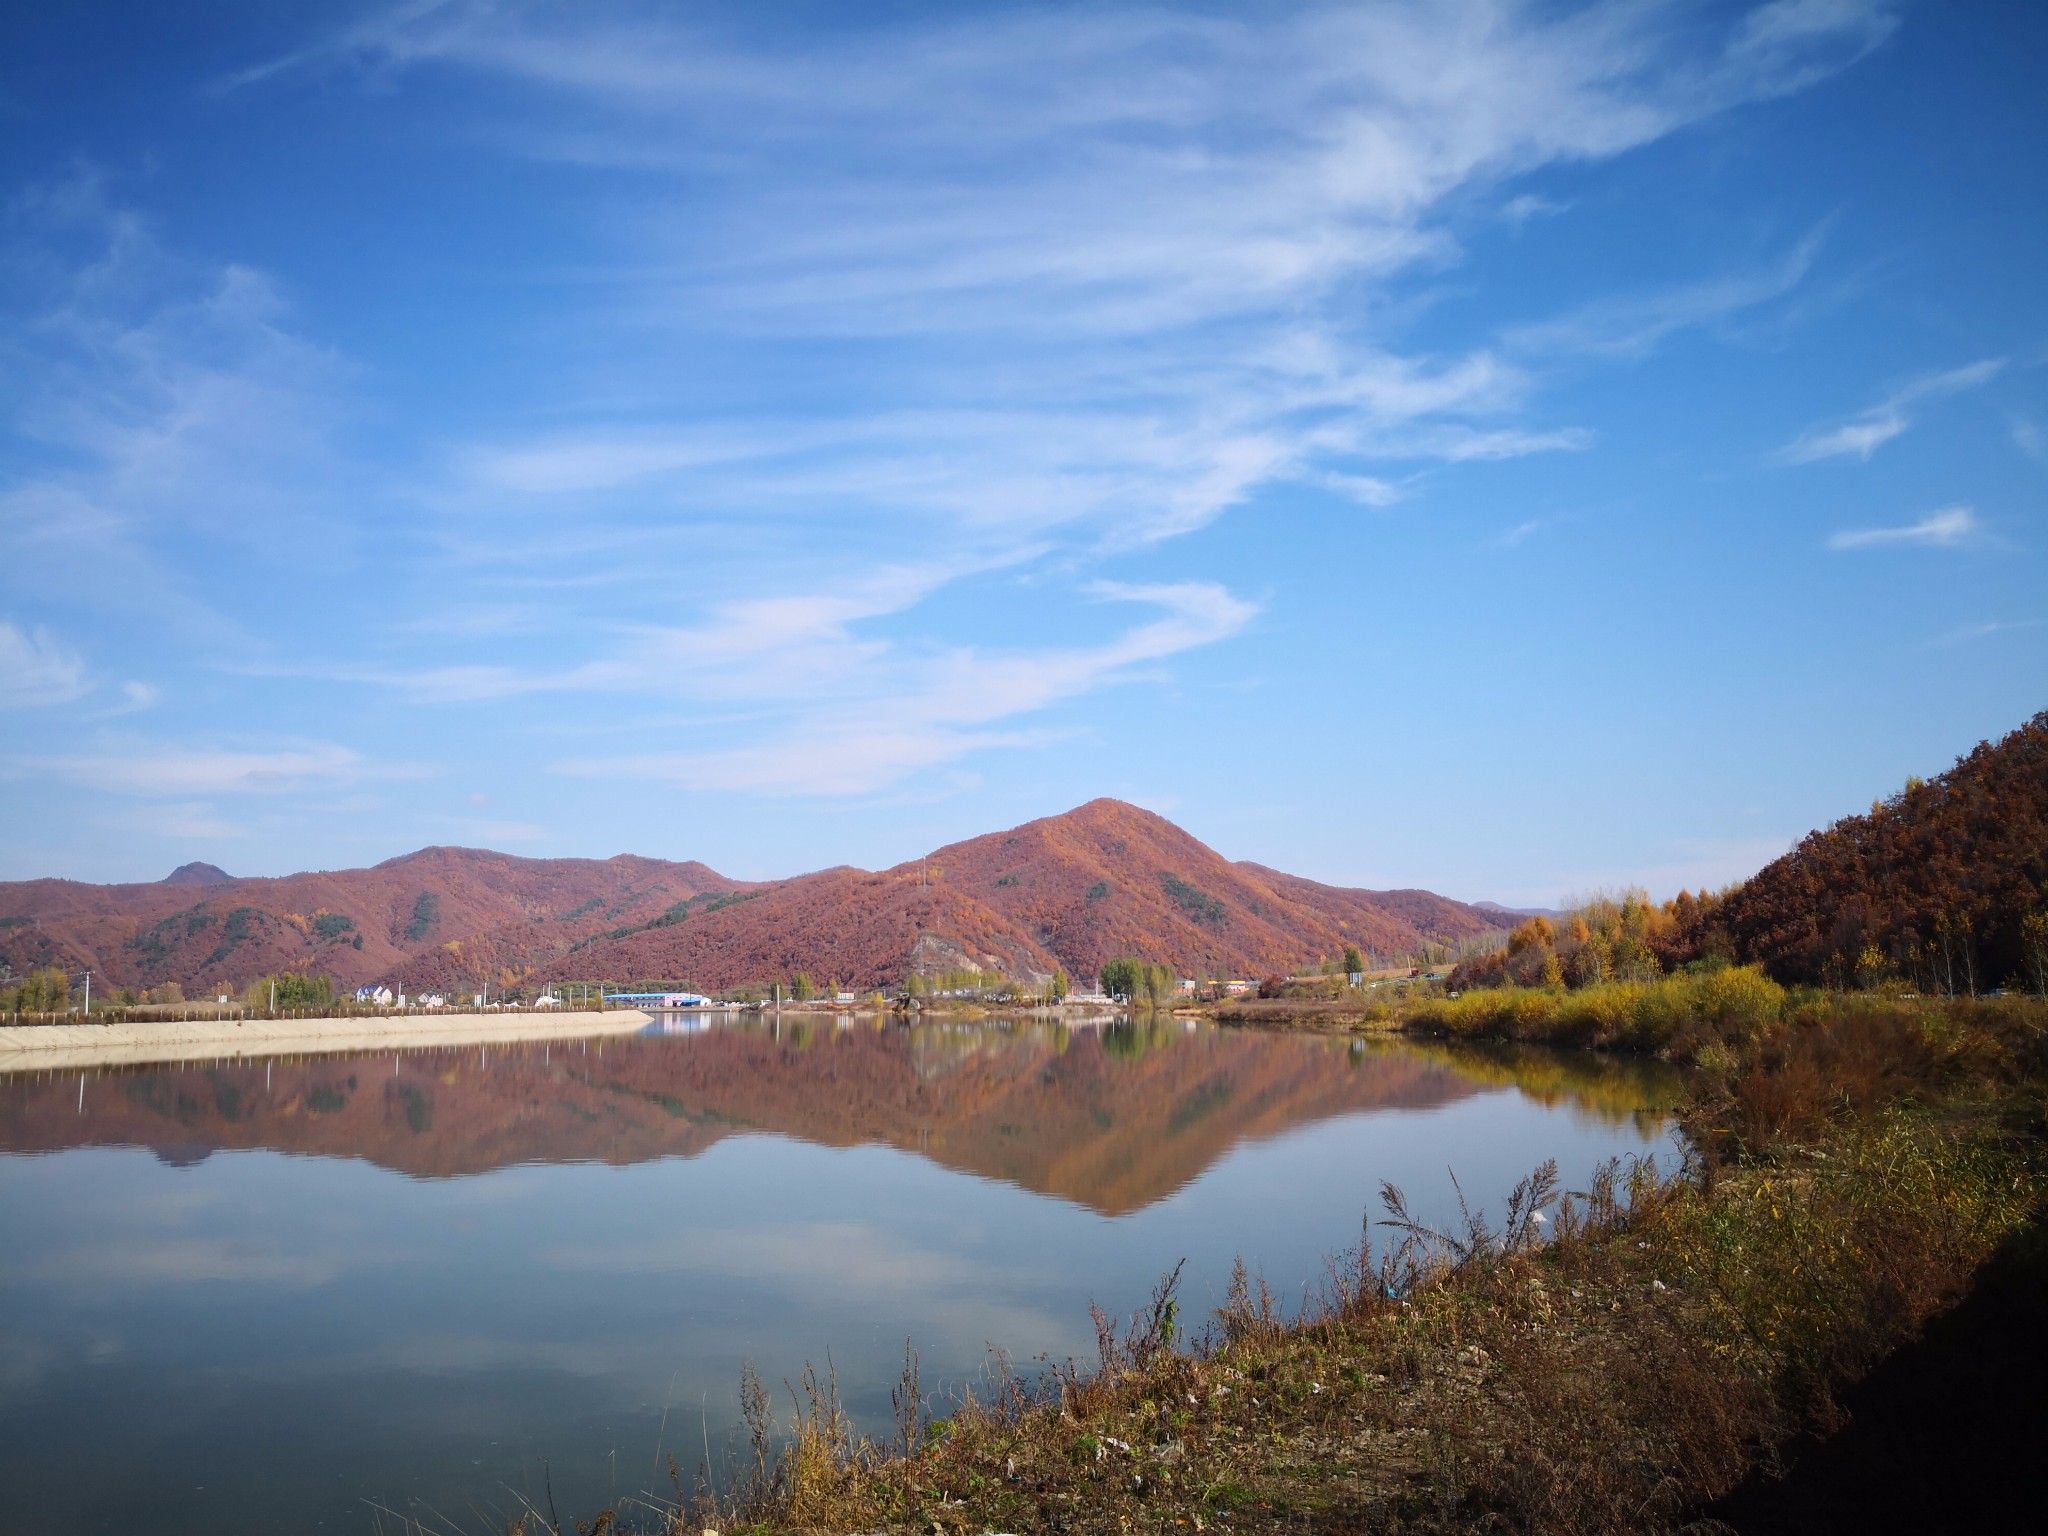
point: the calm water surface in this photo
(285, 1296)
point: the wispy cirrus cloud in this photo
(1058, 285)
(193, 820)
(1862, 435)
(934, 710)
(164, 414)
(150, 769)
(136, 697)
(1983, 631)
(1945, 529)
(37, 670)
(836, 710)
(788, 645)
(1634, 325)
(1162, 224)
(1152, 210)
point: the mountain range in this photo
(1066, 892)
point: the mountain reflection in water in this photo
(1113, 1117)
(284, 1295)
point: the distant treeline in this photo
(1137, 981)
(49, 990)
(1943, 887)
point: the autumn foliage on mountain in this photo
(1064, 893)
(354, 925)
(1068, 892)
(1944, 884)
(1943, 887)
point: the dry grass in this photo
(1316, 1012)
(1678, 1014)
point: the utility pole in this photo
(88, 994)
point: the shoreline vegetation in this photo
(1610, 1359)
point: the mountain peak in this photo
(197, 873)
(1074, 891)
(1104, 808)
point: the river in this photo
(411, 1291)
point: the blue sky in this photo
(1509, 449)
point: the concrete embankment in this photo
(60, 1047)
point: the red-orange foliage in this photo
(1072, 891)
(1939, 880)
(1069, 891)
(505, 913)
(1944, 886)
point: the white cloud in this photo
(1151, 209)
(1462, 445)
(1520, 209)
(172, 417)
(606, 460)
(824, 758)
(1983, 631)
(1085, 282)
(194, 820)
(1944, 529)
(1863, 435)
(1777, 41)
(36, 670)
(1857, 439)
(922, 712)
(847, 711)
(790, 645)
(135, 697)
(1633, 325)
(1366, 490)
(149, 769)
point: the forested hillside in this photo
(1944, 884)
(1943, 888)
(1066, 892)
(1063, 893)
(207, 933)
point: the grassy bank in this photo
(1679, 1016)
(1612, 1367)
(1353, 1011)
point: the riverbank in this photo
(1617, 1366)
(1356, 1013)
(69, 1047)
(1975, 1465)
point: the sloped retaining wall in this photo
(54, 1047)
